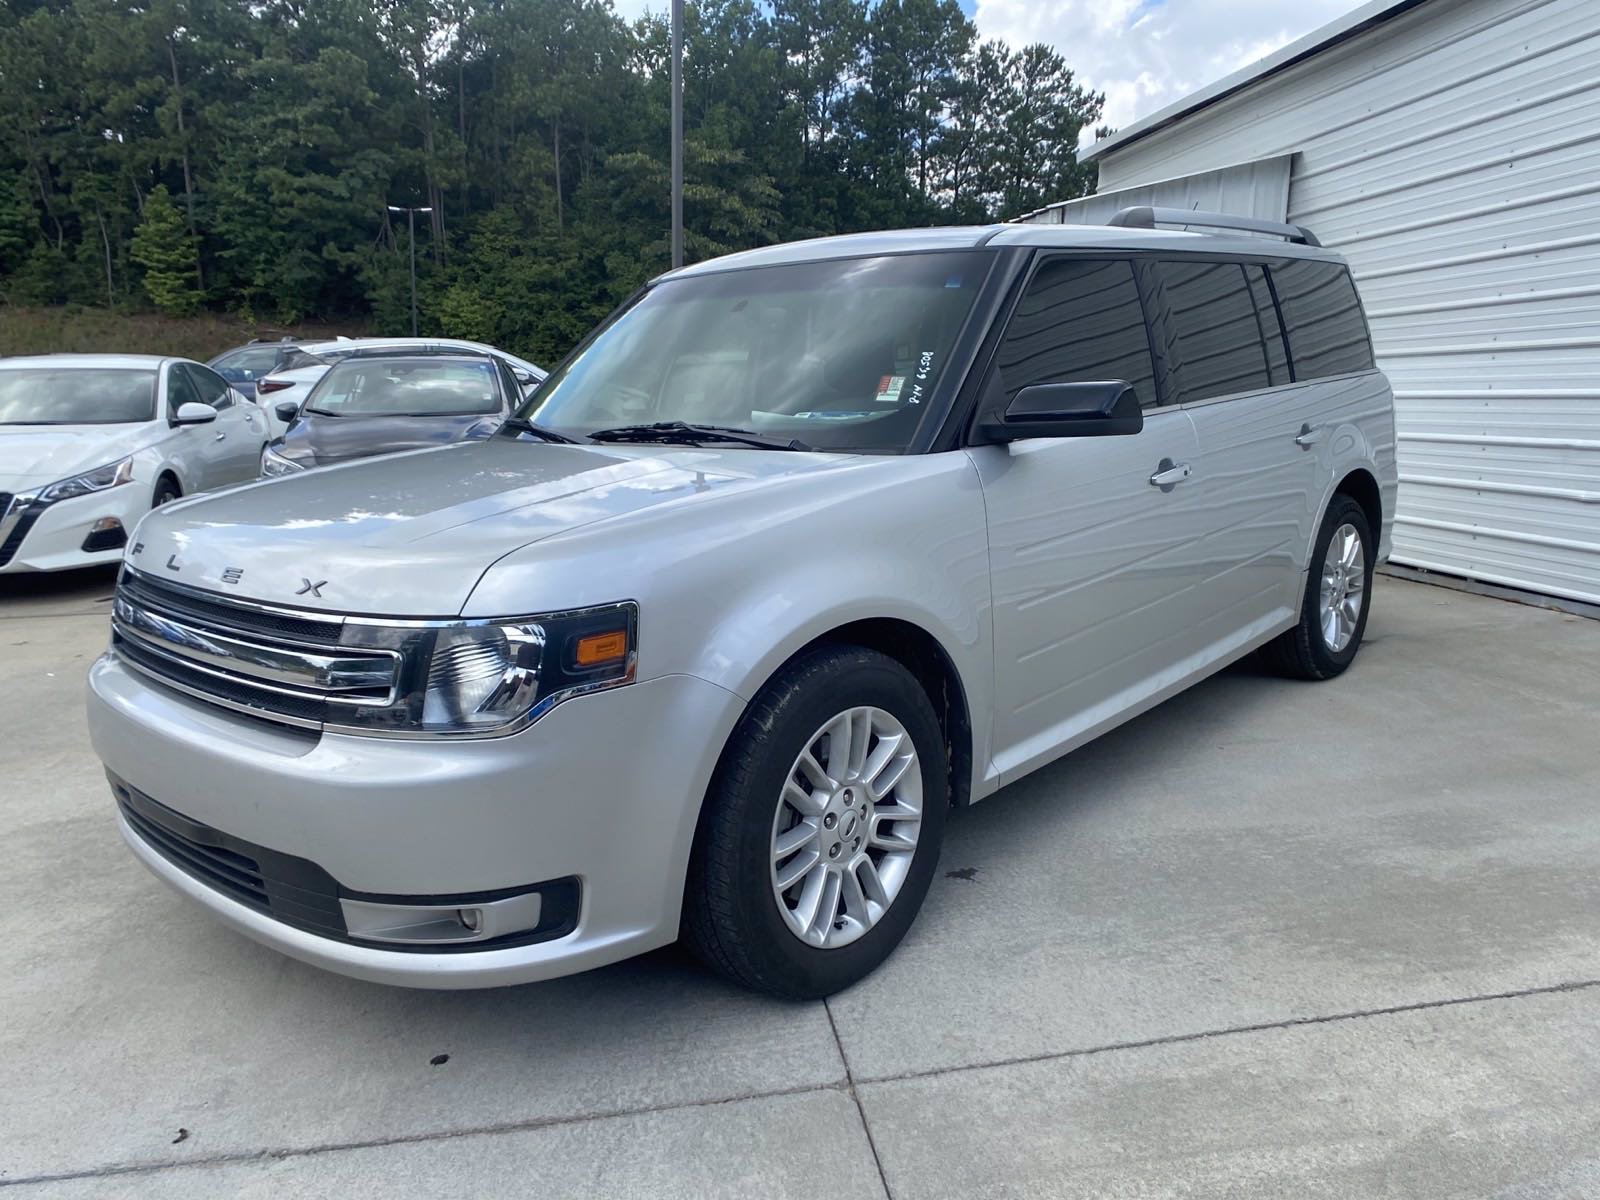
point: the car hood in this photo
(411, 534)
(35, 455)
(320, 440)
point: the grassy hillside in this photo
(109, 331)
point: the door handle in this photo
(1307, 437)
(221, 437)
(1169, 474)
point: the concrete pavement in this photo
(1271, 939)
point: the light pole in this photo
(411, 220)
(677, 133)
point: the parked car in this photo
(91, 442)
(292, 381)
(243, 365)
(853, 531)
(379, 404)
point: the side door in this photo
(233, 441)
(1224, 343)
(1090, 539)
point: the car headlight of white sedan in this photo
(98, 480)
(274, 464)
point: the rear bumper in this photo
(604, 790)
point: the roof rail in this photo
(1144, 216)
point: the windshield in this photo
(76, 396)
(839, 355)
(406, 387)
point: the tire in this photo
(167, 490)
(736, 917)
(1306, 651)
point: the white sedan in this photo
(89, 443)
(291, 383)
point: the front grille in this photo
(269, 664)
(298, 892)
(181, 602)
(13, 527)
(290, 889)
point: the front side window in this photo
(180, 389)
(1214, 329)
(51, 396)
(405, 387)
(839, 355)
(1079, 321)
(1322, 314)
(209, 386)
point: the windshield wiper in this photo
(686, 434)
(523, 425)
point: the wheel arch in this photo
(923, 654)
(1361, 485)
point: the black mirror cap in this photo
(1100, 408)
(287, 411)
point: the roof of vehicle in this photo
(401, 354)
(103, 361)
(967, 237)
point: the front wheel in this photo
(166, 492)
(821, 831)
(1338, 595)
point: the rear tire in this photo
(840, 757)
(1338, 596)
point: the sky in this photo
(1143, 54)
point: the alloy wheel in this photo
(845, 831)
(1344, 585)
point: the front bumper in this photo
(52, 538)
(604, 789)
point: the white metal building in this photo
(1451, 150)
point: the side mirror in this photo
(287, 411)
(1103, 408)
(525, 378)
(194, 413)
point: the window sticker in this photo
(889, 389)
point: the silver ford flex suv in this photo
(799, 549)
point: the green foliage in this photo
(162, 247)
(242, 154)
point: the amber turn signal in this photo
(596, 648)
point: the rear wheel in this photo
(1333, 611)
(821, 832)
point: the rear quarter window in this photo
(1322, 318)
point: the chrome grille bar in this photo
(278, 665)
(372, 673)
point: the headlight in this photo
(495, 676)
(273, 464)
(98, 480)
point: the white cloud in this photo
(1144, 54)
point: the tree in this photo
(163, 247)
(278, 132)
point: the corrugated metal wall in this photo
(1252, 189)
(1453, 154)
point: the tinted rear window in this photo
(1322, 316)
(1213, 319)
